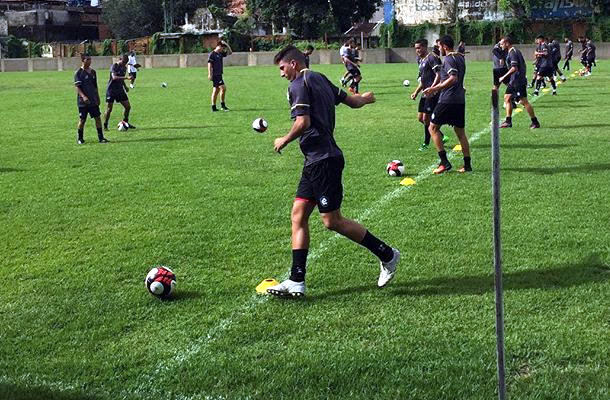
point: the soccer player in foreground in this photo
(451, 107)
(87, 99)
(429, 74)
(117, 91)
(215, 73)
(312, 99)
(516, 80)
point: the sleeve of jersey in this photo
(77, 81)
(436, 64)
(300, 100)
(513, 60)
(210, 59)
(451, 66)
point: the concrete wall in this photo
(371, 56)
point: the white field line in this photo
(163, 372)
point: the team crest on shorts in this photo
(323, 201)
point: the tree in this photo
(135, 18)
(304, 16)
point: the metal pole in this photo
(495, 183)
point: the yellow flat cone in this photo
(517, 110)
(407, 182)
(262, 287)
(458, 147)
(546, 90)
(559, 83)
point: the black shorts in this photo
(116, 97)
(546, 71)
(89, 109)
(217, 81)
(449, 114)
(321, 184)
(355, 71)
(498, 73)
(590, 62)
(517, 92)
(133, 75)
(427, 104)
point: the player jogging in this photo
(429, 74)
(589, 57)
(215, 65)
(353, 71)
(132, 69)
(451, 107)
(87, 99)
(516, 80)
(312, 99)
(307, 53)
(569, 53)
(556, 52)
(545, 69)
(117, 91)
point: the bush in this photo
(122, 47)
(16, 48)
(107, 47)
(91, 50)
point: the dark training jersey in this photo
(569, 49)
(514, 58)
(555, 51)
(216, 60)
(498, 55)
(428, 68)
(306, 61)
(590, 51)
(87, 82)
(118, 86)
(313, 94)
(453, 64)
(545, 60)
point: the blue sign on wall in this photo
(563, 9)
(388, 11)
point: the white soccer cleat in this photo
(388, 270)
(288, 288)
(131, 85)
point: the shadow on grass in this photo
(579, 126)
(585, 168)
(155, 139)
(18, 392)
(2, 170)
(531, 146)
(591, 269)
(182, 295)
(152, 128)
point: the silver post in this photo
(495, 183)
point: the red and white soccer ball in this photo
(260, 125)
(122, 126)
(395, 168)
(161, 282)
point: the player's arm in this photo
(300, 125)
(359, 100)
(79, 91)
(210, 70)
(511, 71)
(418, 89)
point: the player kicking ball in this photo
(516, 80)
(451, 107)
(88, 99)
(313, 99)
(117, 92)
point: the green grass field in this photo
(203, 194)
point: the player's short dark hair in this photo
(422, 42)
(309, 47)
(509, 39)
(289, 53)
(447, 40)
(540, 37)
(84, 56)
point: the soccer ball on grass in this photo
(260, 125)
(395, 168)
(160, 282)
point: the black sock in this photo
(126, 119)
(553, 84)
(467, 162)
(299, 262)
(223, 105)
(533, 81)
(426, 135)
(80, 134)
(535, 120)
(443, 156)
(538, 84)
(509, 120)
(377, 247)
(100, 133)
(214, 107)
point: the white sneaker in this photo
(131, 85)
(288, 288)
(388, 270)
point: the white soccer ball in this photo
(160, 282)
(122, 126)
(395, 168)
(260, 125)
(163, 84)
(406, 82)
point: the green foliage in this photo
(35, 49)
(154, 43)
(122, 47)
(107, 47)
(92, 50)
(16, 48)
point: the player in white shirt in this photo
(133, 66)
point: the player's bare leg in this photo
(223, 92)
(107, 115)
(214, 97)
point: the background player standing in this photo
(117, 91)
(451, 107)
(313, 99)
(215, 69)
(516, 80)
(307, 53)
(133, 69)
(87, 99)
(568, 54)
